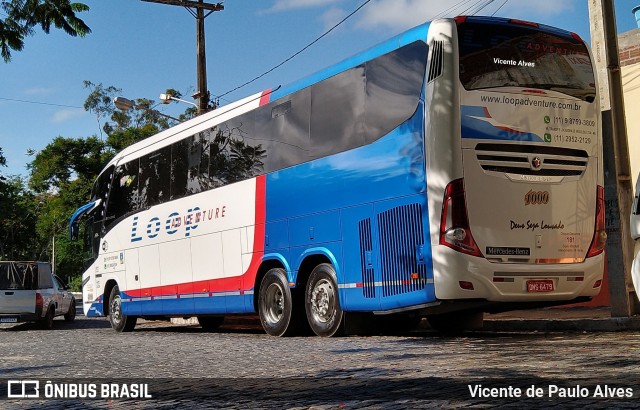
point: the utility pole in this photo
(197, 10)
(617, 170)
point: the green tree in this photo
(66, 159)
(62, 175)
(3, 163)
(124, 128)
(20, 17)
(18, 216)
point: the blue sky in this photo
(145, 48)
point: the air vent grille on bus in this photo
(437, 61)
(366, 247)
(401, 235)
(532, 159)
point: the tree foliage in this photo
(124, 127)
(18, 19)
(18, 216)
(65, 160)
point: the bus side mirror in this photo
(73, 231)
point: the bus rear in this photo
(523, 218)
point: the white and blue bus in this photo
(452, 170)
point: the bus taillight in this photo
(524, 23)
(576, 36)
(460, 19)
(599, 235)
(454, 224)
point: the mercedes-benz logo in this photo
(536, 163)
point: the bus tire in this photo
(456, 322)
(275, 304)
(322, 303)
(119, 321)
(210, 323)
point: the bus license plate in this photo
(545, 285)
(8, 319)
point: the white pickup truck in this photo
(30, 292)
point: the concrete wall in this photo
(629, 48)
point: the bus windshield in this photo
(524, 56)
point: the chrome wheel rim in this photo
(323, 301)
(116, 310)
(274, 303)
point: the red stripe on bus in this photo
(265, 97)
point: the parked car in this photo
(30, 292)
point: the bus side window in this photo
(198, 162)
(154, 179)
(394, 86)
(282, 129)
(337, 113)
(236, 152)
(123, 196)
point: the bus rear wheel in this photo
(275, 304)
(119, 321)
(322, 304)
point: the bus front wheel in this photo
(275, 304)
(322, 304)
(119, 321)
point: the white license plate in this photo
(544, 285)
(8, 320)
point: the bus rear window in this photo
(522, 56)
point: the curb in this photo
(623, 324)
(618, 324)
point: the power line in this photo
(483, 6)
(40, 103)
(502, 5)
(299, 52)
(467, 11)
(450, 9)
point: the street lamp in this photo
(167, 98)
(125, 104)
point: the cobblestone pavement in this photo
(241, 368)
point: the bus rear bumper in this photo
(460, 276)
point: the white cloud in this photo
(332, 17)
(67, 114)
(39, 91)
(400, 15)
(536, 10)
(283, 5)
